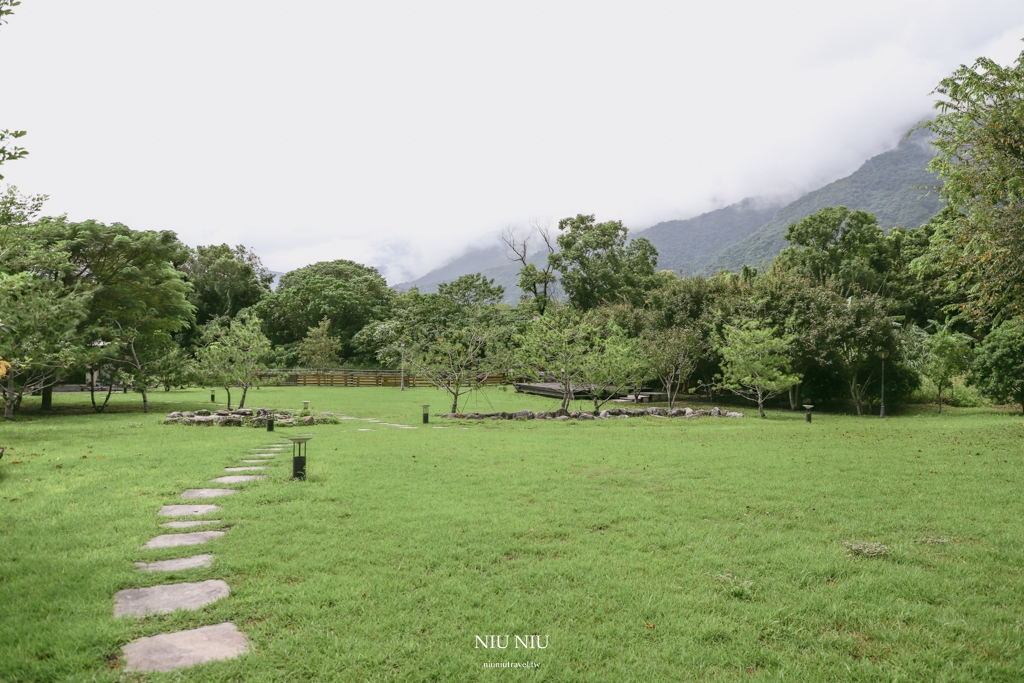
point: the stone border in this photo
(562, 414)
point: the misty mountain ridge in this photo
(751, 231)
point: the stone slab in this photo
(176, 565)
(183, 510)
(254, 461)
(207, 493)
(174, 540)
(243, 469)
(185, 525)
(237, 478)
(170, 651)
(138, 602)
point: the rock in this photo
(230, 421)
(689, 412)
(206, 493)
(614, 412)
(189, 524)
(176, 565)
(188, 413)
(245, 412)
(472, 416)
(450, 416)
(702, 413)
(636, 412)
(263, 412)
(563, 418)
(574, 414)
(171, 420)
(174, 540)
(182, 510)
(307, 420)
(221, 413)
(605, 414)
(170, 651)
(733, 414)
(561, 412)
(138, 602)
(243, 469)
(715, 412)
(176, 413)
(660, 412)
(236, 478)
(524, 415)
(542, 415)
(676, 412)
(203, 412)
(586, 416)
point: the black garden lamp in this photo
(270, 421)
(426, 413)
(807, 415)
(299, 455)
(883, 354)
(213, 396)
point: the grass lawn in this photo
(643, 549)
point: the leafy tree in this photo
(672, 354)
(537, 284)
(866, 331)
(755, 362)
(348, 294)
(234, 354)
(948, 356)
(8, 150)
(472, 290)
(598, 266)
(319, 349)
(979, 135)
(998, 368)
(616, 362)
(457, 361)
(225, 281)
(555, 347)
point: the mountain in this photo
(686, 246)
(887, 185)
(490, 261)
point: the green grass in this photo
(646, 549)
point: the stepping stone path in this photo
(173, 540)
(185, 525)
(237, 478)
(170, 651)
(207, 493)
(138, 602)
(176, 565)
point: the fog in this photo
(395, 134)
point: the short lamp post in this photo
(213, 396)
(305, 406)
(299, 455)
(807, 415)
(883, 355)
(426, 413)
(402, 346)
(270, 421)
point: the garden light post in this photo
(213, 396)
(807, 415)
(299, 455)
(402, 346)
(426, 413)
(305, 406)
(883, 355)
(270, 421)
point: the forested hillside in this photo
(887, 185)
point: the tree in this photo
(472, 290)
(457, 361)
(979, 135)
(348, 294)
(597, 265)
(616, 362)
(998, 368)
(8, 150)
(948, 355)
(866, 330)
(225, 281)
(537, 284)
(234, 354)
(672, 354)
(319, 349)
(555, 347)
(755, 362)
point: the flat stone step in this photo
(138, 602)
(243, 469)
(207, 493)
(183, 510)
(170, 651)
(185, 525)
(174, 540)
(176, 565)
(237, 478)
(254, 461)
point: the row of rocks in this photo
(562, 414)
(245, 417)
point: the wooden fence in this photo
(356, 378)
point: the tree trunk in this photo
(794, 396)
(241, 404)
(760, 405)
(228, 391)
(455, 402)
(9, 403)
(145, 401)
(47, 398)
(855, 394)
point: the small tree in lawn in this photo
(457, 361)
(555, 348)
(616, 362)
(947, 356)
(234, 355)
(319, 350)
(672, 355)
(755, 362)
(998, 368)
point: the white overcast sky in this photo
(396, 133)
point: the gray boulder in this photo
(586, 416)
(605, 414)
(660, 412)
(733, 414)
(524, 415)
(715, 412)
(203, 413)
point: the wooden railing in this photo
(356, 378)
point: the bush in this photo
(962, 395)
